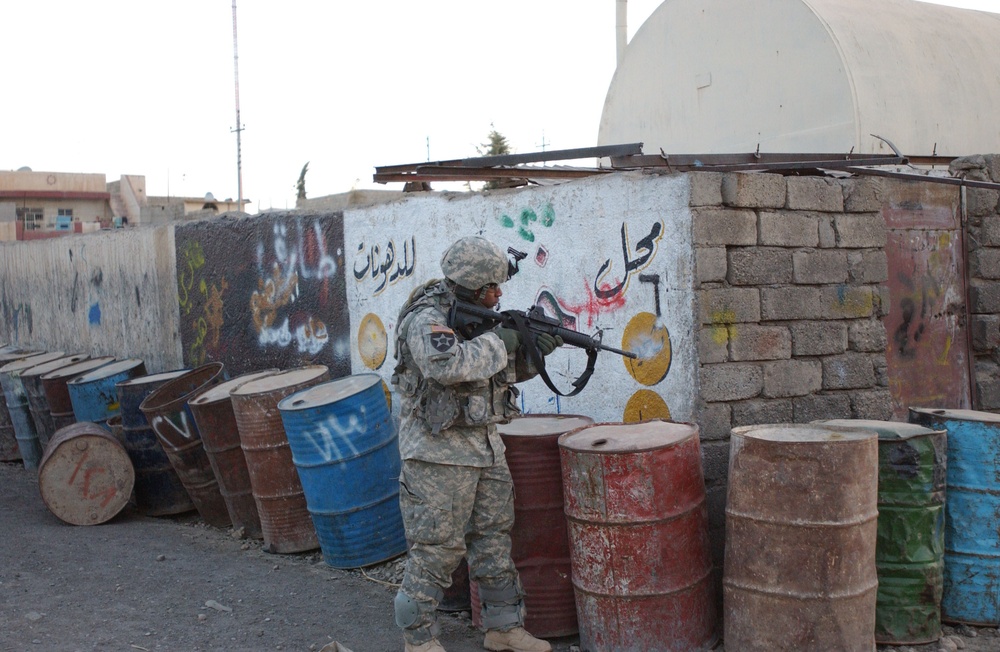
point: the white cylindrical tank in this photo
(718, 76)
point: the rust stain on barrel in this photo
(213, 412)
(800, 539)
(38, 404)
(281, 504)
(57, 393)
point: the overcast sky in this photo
(147, 86)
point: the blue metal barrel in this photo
(972, 514)
(17, 406)
(343, 445)
(909, 550)
(158, 489)
(93, 394)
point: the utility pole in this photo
(239, 125)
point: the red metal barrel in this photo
(38, 405)
(168, 413)
(220, 436)
(539, 541)
(281, 503)
(638, 534)
(801, 532)
(57, 392)
(85, 476)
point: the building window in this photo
(67, 212)
(33, 218)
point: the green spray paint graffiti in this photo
(527, 220)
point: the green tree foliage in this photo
(496, 146)
(300, 185)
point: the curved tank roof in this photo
(716, 76)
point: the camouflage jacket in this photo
(452, 391)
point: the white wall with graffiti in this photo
(610, 255)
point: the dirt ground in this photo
(142, 583)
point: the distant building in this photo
(46, 204)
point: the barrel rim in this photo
(541, 417)
(151, 378)
(23, 364)
(884, 434)
(51, 365)
(961, 414)
(745, 432)
(205, 397)
(72, 372)
(155, 402)
(290, 402)
(563, 439)
(244, 391)
(106, 371)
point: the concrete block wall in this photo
(983, 216)
(790, 275)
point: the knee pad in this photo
(407, 610)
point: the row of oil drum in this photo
(319, 470)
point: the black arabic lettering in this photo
(646, 244)
(368, 262)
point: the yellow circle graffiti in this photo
(650, 340)
(372, 341)
(388, 395)
(645, 404)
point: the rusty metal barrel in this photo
(800, 539)
(38, 405)
(85, 476)
(166, 409)
(9, 451)
(539, 540)
(281, 503)
(972, 514)
(57, 393)
(16, 401)
(94, 395)
(158, 490)
(909, 552)
(213, 412)
(638, 533)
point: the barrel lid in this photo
(79, 368)
(886, 430)
(803, 432)
(543, 424)
(329, 392)
(107, 370)
(153, 378)
(627, 437)
(957, 415)
(221, 391)
(52, 365)
(17, 354)
(28, 363)
(282, 379)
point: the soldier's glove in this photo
(548, 343)
(511, 338)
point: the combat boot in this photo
(514, 640)
(430, 646)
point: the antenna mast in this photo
(239, 125)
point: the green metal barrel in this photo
(909, 556)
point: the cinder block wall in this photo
(983, 214)
(790, 283)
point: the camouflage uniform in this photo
(456, 491)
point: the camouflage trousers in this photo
(449, 512)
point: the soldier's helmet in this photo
(473, 262)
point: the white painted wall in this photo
(717, 76)
(577, 229)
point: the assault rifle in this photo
(471, 321)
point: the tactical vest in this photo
(472, 403)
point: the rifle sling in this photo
(521, 321)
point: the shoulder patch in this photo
(442, 338)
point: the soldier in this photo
(456, 491)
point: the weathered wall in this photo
(263, 292)
(103, 294)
